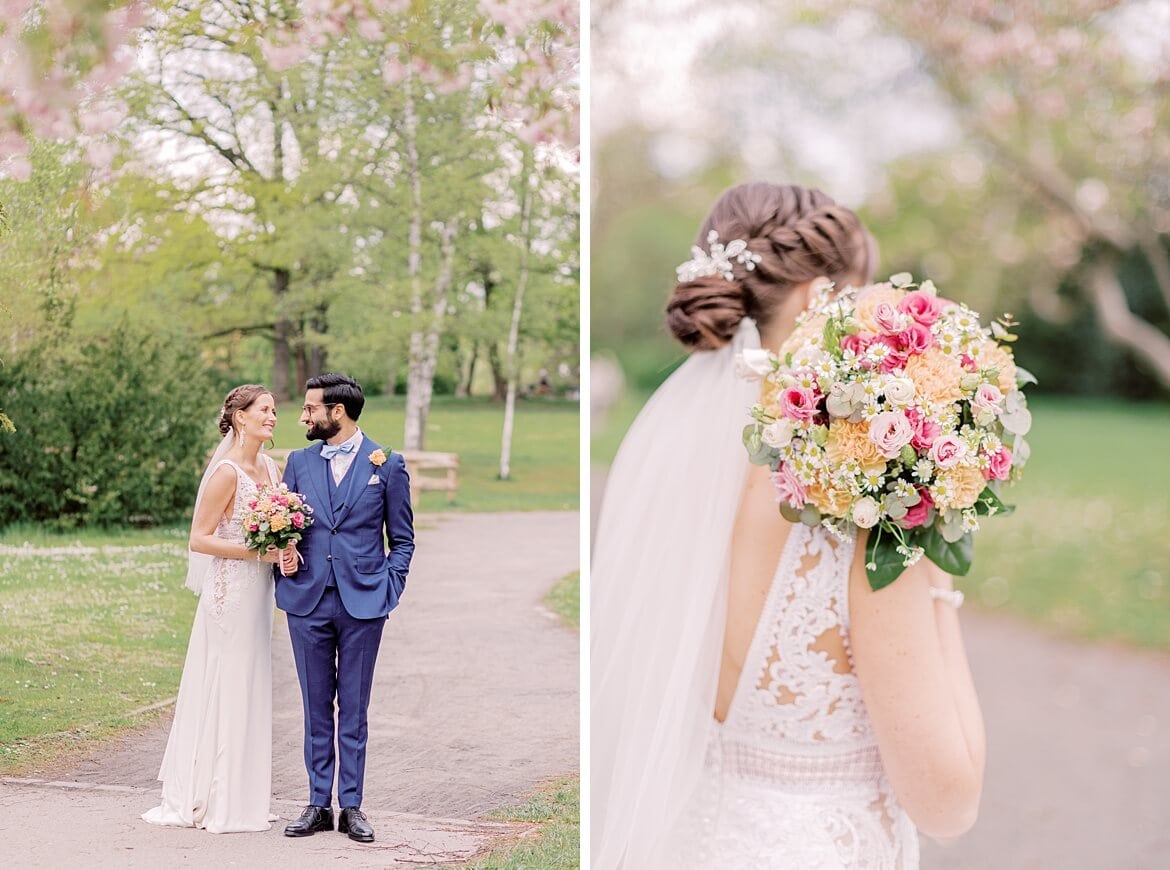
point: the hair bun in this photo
(704, 314)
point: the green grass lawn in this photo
(95, 627)
(545, 458)
(1087, 552)
(564, 599)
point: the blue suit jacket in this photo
(347, 541)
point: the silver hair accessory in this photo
(719, 261)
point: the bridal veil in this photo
(659, 598)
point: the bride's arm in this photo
(217, 499)
(909, 659)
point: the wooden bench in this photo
(417, 462)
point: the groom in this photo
(338, 600)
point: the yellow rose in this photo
(829, 501)
(936, 376)
(851, 441)
(963, 485)
(990, 355)
(377, 457)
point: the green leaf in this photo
(883, 564)
(954, 558)
(988, 499)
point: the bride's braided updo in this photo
(239, 399)
(798, 234)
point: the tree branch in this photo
(1123, 325)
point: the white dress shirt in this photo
(341, 462)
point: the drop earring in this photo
(240, 436)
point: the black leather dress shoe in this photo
(312, 820)
(352, 821)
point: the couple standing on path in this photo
(337, 591)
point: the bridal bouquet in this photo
(892, 409)
(275, 517)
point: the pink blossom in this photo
(924, 308)
(798, 403)
(925, 431)
(948, 451)
(18, 167)
(282, 57)
(916, 515)
(967, 362)
(1000, 465)
(298, 520)
(915, 339)
(890, 431)
(393, 71)
(789, 489)
(253, 527)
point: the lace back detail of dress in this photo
(798, 684)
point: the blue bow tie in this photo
(331, 450)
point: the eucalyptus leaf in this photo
(1017, 422)
(951, 528)
(789, 512)
(759, 453)
(954, 557)
(810, 516)
(1024, 377)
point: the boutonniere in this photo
(377, 457)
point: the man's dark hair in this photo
(340, 390)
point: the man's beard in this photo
(322, 431)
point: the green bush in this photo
(112, 430)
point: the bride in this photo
(754, 703)
(217, 768)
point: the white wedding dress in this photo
(792, 778)
(217, 768)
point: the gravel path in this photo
(475, 704)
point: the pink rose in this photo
(1000, 465)
(798, 403)
(917, 515)
(987, 398)
(948, 451)
(924, 308)
(298, 520)
(253, 527)
(888, 319)
(890, 431)
(895, 359)
(789, 489)
(856, 343)
(925, 431)
(915, 339)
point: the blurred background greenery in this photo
(1016, 153)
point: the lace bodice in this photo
(227, 575)
(793, 777)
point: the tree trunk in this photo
(317, 353)
(499, 376)
(281, 351)
(414, 428)
(464, 389)
(1121, 324)
(517, 309)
